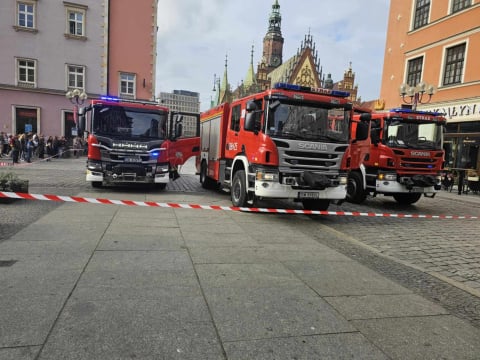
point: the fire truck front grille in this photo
(118, 157)
(417, 163)
(327, 160)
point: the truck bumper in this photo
(387, 187)
(279, 191)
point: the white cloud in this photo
(194, 37)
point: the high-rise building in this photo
(99, 47)
(183, 101)
(432, 46)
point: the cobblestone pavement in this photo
(438, 257)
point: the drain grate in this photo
(6, 263)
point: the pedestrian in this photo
(41, 146)
(49, 147)
(15, 145)
(2, 140)
(28, 149)
(461, 177)
(77, 146)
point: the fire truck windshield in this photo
(124, 122)
(308, 122)
(413, 134)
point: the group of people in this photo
(26, 146)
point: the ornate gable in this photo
(305, 72)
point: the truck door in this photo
(185, 135)
(244, 139)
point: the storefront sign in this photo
(457, 112)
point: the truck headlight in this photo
(342, 180)
(94, 165)
(387, 177)
(266, 176)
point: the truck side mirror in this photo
(252, 109)
(178, 126)
(82, 118)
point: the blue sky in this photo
(194, 36)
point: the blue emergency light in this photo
(322, 91)
(419, 112)
(109, 98)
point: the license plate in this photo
(308, 195)
(133, 159)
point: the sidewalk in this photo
(120, 282)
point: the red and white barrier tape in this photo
(76, 199)
(23, 163)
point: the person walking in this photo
(77, 146)
(15, 145)
(28, 149)
(41, 146)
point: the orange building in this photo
(432, 46)
(132, 49)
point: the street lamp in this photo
(77, 97)
(416, 94)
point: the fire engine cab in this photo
(136, 141)
(287, 142)
(396, 153)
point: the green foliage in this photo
(10, 181)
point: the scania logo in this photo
(126, 145)
(312, 146)
(420, 153)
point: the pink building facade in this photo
(50, 48)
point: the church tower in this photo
(272, 47)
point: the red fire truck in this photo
(280, 143)
(136, 142)
(396, 153)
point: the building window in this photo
(454, 60)
(127, 84)
(414, 71)
(26, 15)
(76, 21)
(76, 77)
(26, 70)
(458, 5)
(422, 9)
(236, 114)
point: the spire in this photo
(275, 19)
(224, 90)
(250, 77)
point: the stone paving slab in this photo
(344, 346)
(337, 278)
(422, 337)
(127, 329)
(384, 306)
(22, 353)
(272, 312)
(29, 317)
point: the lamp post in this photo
(77, 97)
(416, 94)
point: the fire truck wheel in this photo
(316, 204)
(207, 183)
(96, 184)
(238, 192)
(407, 198)
(355, 192)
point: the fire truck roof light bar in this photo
(286, 86)
(403, 110)
(115, 99)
